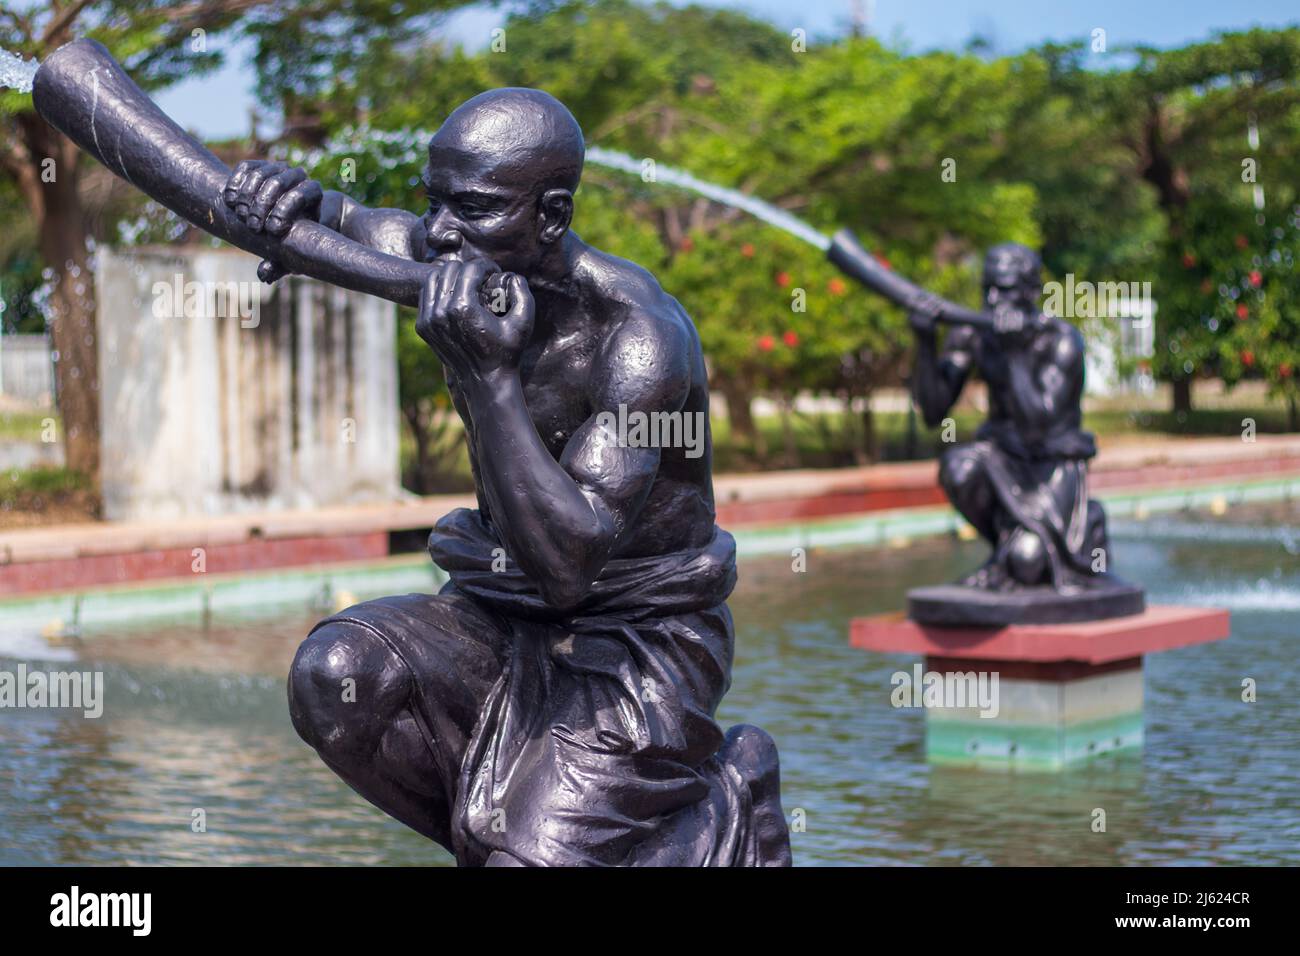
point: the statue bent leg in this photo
(395, 737)
(966, 480)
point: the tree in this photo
(300, 43)
(853, 135)
(1254, 297)
(153, 41)
(427, 411)
(1182, 118)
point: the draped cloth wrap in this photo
(1043, 488)
(596, 745)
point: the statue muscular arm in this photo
(938, 377)
(559, 520)
(394, 231)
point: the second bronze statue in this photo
(1023, 483)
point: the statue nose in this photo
(442, 234)
(445, 240)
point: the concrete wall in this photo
(1127, 336)
(26, 370)
(221, 394)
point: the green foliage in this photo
(19, 487)
(1125, 165)
(427, 414)
(1046, 148)
(1175, 123)
(774, 312)
(1255, 301)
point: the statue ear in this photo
(556, 211)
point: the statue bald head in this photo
(1013, 277)
(525, 132)
(502, 171)
(1012, 264)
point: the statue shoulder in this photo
(649, 349)
(1069, 346)
(620, 282)
(645, 362)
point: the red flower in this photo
(1256, 279)
(1241, 242)
(783, 279)
(1189, 260)
(1248, 358)
(879, 257)
(1284, 370)
(791, 339)
(836, 286)
(766, 343)
(687, 244)
(747, 250)
(1243, 313)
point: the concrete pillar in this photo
(1032, 696)
(222, 394)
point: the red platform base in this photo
(1032, 697)
(1158, 628)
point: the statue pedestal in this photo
(1063, 692)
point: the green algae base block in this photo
(1048, 715)
(1032, 697)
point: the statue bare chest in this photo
(556, 374)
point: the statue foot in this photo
(991, 576)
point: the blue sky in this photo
(219, 105)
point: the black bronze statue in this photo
(1023, 483)
(554, 704)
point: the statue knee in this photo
(1027, 558)
(346, 686)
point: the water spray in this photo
(85, 94)
(843, 249)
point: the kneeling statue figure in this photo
(1023, 482)
(554, 703)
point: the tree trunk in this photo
(870, 443)
(740, 416)
(1182, 395)
(1157, 166)
(849, 431)
(61, 220)
(419, 479)
(787, 433)
(1293, 407)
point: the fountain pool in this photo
(196, 719)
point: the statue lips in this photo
(493, 284)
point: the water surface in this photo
(196, 719)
